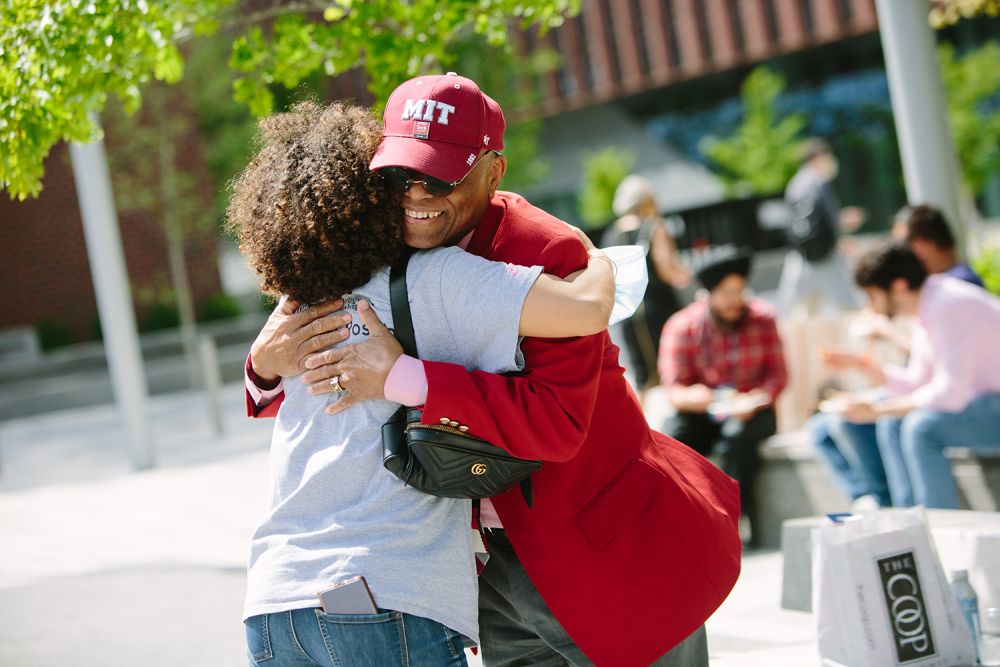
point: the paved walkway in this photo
(106, 567)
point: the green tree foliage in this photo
(142, 151)
(603, 171)
(150, 180)
(763, 153)
(226, 128)
(987, 265)
(970, 81)
(947, 12)
(59, 61)
(392, 40)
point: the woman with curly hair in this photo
(317, 225)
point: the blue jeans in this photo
(311, 638)
(850, 452)
(913, 449)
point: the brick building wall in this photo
(616, 48)
(46, 272)
(44, 255)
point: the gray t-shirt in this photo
(335, 512)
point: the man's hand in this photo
(693, 398)
(842, 360)
(859, 412)
(756, 399)
(287, 337)
(361, 369)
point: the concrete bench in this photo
(793, 484)
(978, 478)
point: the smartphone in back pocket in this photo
(350, 596)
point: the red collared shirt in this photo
(694, 349)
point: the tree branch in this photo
(274, 11)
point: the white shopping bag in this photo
(880, 595)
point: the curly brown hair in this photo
(310, 216)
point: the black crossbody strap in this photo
(402, 321)
(399, 300)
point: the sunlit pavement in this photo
(102, 566)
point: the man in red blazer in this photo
(631, 542)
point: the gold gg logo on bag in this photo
(478, 469)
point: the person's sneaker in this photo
(865, 503)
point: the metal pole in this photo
(212, 379)
(930, 167)
(114, 299)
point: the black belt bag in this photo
(437, 458)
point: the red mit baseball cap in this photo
(437, 125)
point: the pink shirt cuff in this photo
(488, 517)
(406, 382)
(261, 397)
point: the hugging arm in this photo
(281, 347)
(543, 413)
(578, 305)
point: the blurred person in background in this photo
(640, 223)
(723, 367)
(815, 274)
(850, 449)
(948, 395)
(926, 231)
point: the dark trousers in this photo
(739, 444)
(517, 629)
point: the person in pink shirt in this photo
(948, 395)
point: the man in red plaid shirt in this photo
(722, 364)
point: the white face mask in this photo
(630, 279)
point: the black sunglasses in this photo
(401, 179)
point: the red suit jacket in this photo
(632, 539)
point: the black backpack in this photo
(811, 232)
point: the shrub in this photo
(603, 171)
(161, 315)
(219, 306)
(53, 334)
(762, 155)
